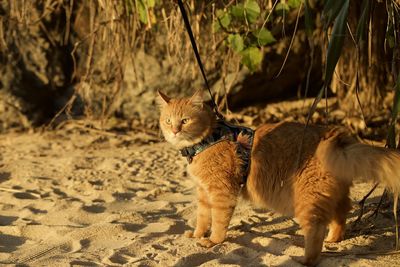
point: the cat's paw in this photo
(188, 234)
(194, 234)
(206, 242)
(306, 262)
(191, 234)
(334, 238)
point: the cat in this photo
(301, 172)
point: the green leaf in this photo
(236, 42)
(142, 10)
(252, 10)
(336, 42)
(144, 7)
(264, 37)
(294, 3)
(216, 26)
(334, 50)
(308, 19)
(223, 18)
(150, 3)
(363, 21)
(331, 11)
(252, 58)
(282, 7)
(238, 11)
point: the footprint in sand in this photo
(9, 243)
(118, 258)
(7, 220)
(123, 196)
(25, 195)
(156, 228)
(36, 211)
(196, 259)
(94, 208)
(47, 250)
(4, 176)
(133, 227)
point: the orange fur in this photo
(304, 173)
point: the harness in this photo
(222, 132)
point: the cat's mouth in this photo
(175, 136)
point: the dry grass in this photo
(104, 38)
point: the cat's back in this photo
(288, 136)
(284, 148)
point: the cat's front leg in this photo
(222, 207)
(203, 216)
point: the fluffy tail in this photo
(347, 159)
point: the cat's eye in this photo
(168, 121)
(184, 121)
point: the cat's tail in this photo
(347, 159)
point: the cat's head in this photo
(185, 121)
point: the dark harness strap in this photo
(225, 131)
(197, 55)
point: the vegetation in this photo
(93, 58)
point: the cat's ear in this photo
(198, 98)
(163, 99)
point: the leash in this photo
(233, 131)
(196, 52)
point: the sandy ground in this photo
(78, 197)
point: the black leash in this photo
(196, 52)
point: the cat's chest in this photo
(193, 174)
(215, 165)
(197, 173)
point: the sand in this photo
(81, 197)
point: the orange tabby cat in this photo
(306, 176)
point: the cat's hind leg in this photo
(314, 233)
(313, 210)
(338, 224)
(203, 216)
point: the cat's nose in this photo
(175, 130)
